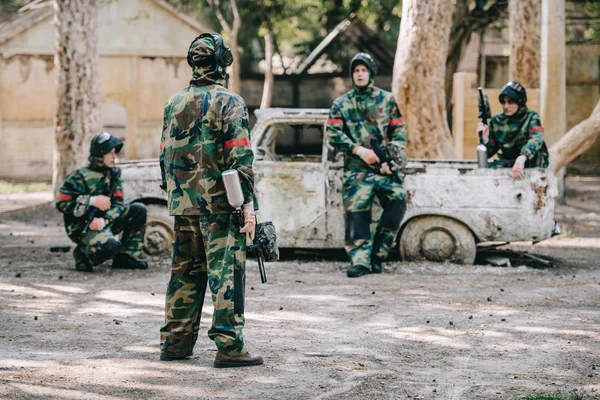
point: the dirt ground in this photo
(417, 331)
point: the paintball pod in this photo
(484, 114)
(265, 241)
(384, 157)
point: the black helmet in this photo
(364, 58)
(515, 91)
(103, 143)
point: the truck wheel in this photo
(437, 238)
(159, 230)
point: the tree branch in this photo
(216, 4)
(576, 142)
(237, 21)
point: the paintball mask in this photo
(222, 53)
(103, 143)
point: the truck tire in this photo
(158, 239)
(437, 238)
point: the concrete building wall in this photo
(142, 62)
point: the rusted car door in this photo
(290, 181)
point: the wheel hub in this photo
(438, 245)
(157, 239)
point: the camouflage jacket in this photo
(74, 195)
(362, 114)
(520, 134)
(205, 132)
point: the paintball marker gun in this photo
(94, 210)
(484, 114)
(384, 157)
(235, 198)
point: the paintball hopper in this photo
(265, 243)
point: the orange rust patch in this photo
(540, 192)
(409, 196)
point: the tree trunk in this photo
(576, 142)
(76, 58)
(267, 96)
(233, 30)
(235, 75)
(525, 44)
(418, 81)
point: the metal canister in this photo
(233, 188)
(482, 157)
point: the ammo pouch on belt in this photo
(265, 242)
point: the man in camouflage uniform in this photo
(516, 134)
(91, 200)
(206, 132)
(365, 113)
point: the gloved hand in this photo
(100, 202)
(485, 132)
(249, 219)
(367, 155)
(385, 169)
(97, 224)
(518, 167)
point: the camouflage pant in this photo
(358, 192)
(99, 246)
(206, 250)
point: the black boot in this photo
(356, 271)
(127, 261)
(81, 261)
(376, 266)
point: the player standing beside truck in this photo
(361, 120)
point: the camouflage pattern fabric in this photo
(207, 251)
(205, 131)
(362, 114)
(131, 222)
(73, 203)
(358, 192)
(513, 136)
(266, 238)
(354, 119)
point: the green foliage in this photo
(557, 395)
(583, 20)
(298, 26)
(12, 5)
(11, 188)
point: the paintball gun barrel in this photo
(235, 198)
(484, 114)
(91, 217)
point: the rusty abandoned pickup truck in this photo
(452, 205)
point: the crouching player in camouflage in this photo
(91, 200)
(516, 134)
(358, 121)
(205, 132)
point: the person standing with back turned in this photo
(205, 132)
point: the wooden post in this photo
(133, 110)
(553, 90)
(460, 82)
(553, 78)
